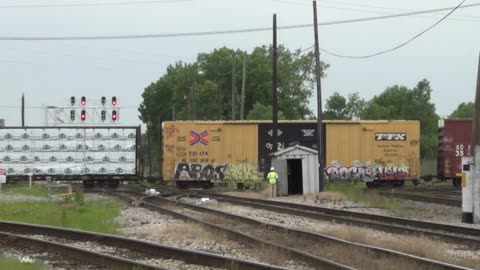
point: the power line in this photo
(94, 4)
(237, 31)
(362, 8)
(402, 44)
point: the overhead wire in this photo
(362, 8)
(92, 4)
(401, 44)
(223, 32)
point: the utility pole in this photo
(476, 149)
(219, 97)
(149, 150)
(319, 101)
(194, 94)
(234, 87)
(274, 85)
(244, 80)
(23, 110)
(173, 111)
(187, 98)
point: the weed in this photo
(7, 263)
(79, 197)
(95, 216)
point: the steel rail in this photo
(78, 254)
(153, 249)
(451, 233)
(422, 198)
(315, 261)
(422, 263)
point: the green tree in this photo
(339, 108)
(202, 90)
(262, 112)
(464, 110)
(399, 102)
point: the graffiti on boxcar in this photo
(170, 131)
(196, 171)
(243, 170)
(236, 171)
(367, 173)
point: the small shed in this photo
(297, 168)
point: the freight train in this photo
(206, 152)
(93, 155)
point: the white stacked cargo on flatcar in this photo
(67, 152)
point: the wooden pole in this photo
(234, 87)
(244, 80)
(319, 101)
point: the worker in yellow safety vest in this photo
(272, 180)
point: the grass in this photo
(6, 263)
(92, 216)
(75, 212)
(37, 190)
(358, 192)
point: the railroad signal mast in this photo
(86, 112)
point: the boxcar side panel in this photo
(381, 150)
(209, 151)
(454, 143)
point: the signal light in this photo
(72, 100)
(114, 115)
(104, 115)
(72, 115)
(84, 115)
(83, 101)
(104, 101)
(114, 101)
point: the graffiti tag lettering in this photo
(195, 171)
(170, 131)
(367, 173)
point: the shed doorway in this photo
(294, 176)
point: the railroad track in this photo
(274, 253)
(118, 252)
(306, 242)
(444, 195)
(466, 236)
(428, 198)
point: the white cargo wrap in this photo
(68, 151)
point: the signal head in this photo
(114, 115)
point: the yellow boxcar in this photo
(373, 150)
(238, 150)
(201, 150)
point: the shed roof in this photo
(293, 148)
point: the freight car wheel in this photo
(182, 184)
(88, 183)
(372, 184)
(399, 183)
(113, 184)
(457, 182)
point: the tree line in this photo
(228, 84)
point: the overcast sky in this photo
(49, 72)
